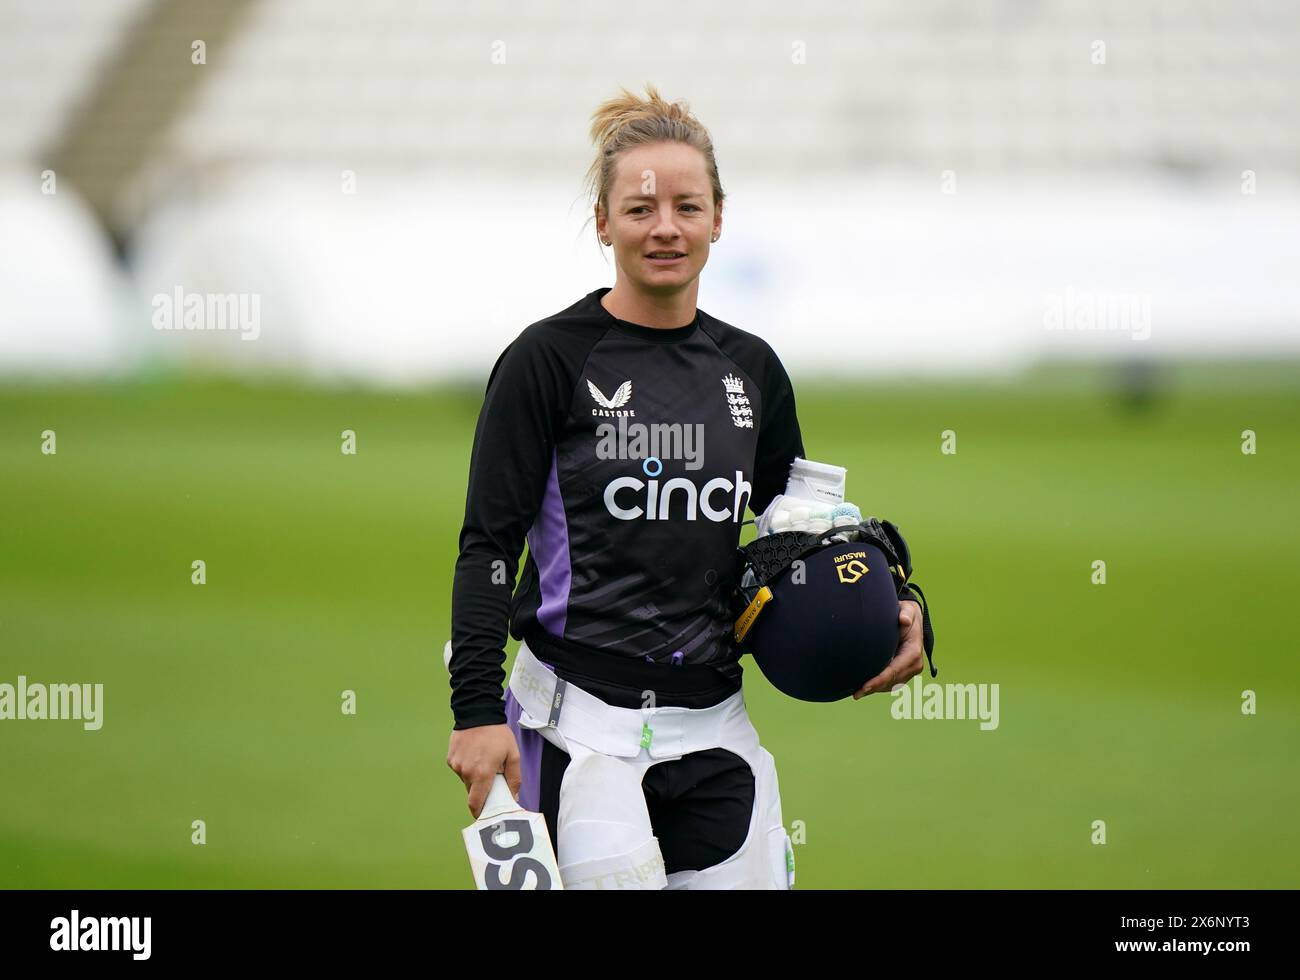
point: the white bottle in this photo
(819, 483)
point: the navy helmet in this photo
(819, 612)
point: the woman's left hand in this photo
(909, 660)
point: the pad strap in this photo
(927, 631)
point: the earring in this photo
(715, 238)
(606, 241)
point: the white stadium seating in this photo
(465, 127)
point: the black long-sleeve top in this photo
(625, 457)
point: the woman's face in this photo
(660, 201)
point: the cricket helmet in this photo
(819, 612)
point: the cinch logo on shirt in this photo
(658, 501)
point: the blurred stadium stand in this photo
(399, 182)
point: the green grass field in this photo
(327, 572)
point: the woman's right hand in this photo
(476, 755)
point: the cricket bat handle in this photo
(499, 799)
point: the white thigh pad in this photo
(605, 838)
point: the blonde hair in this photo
(627, 120)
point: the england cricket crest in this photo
(742, 416)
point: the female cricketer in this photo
(622, 439)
